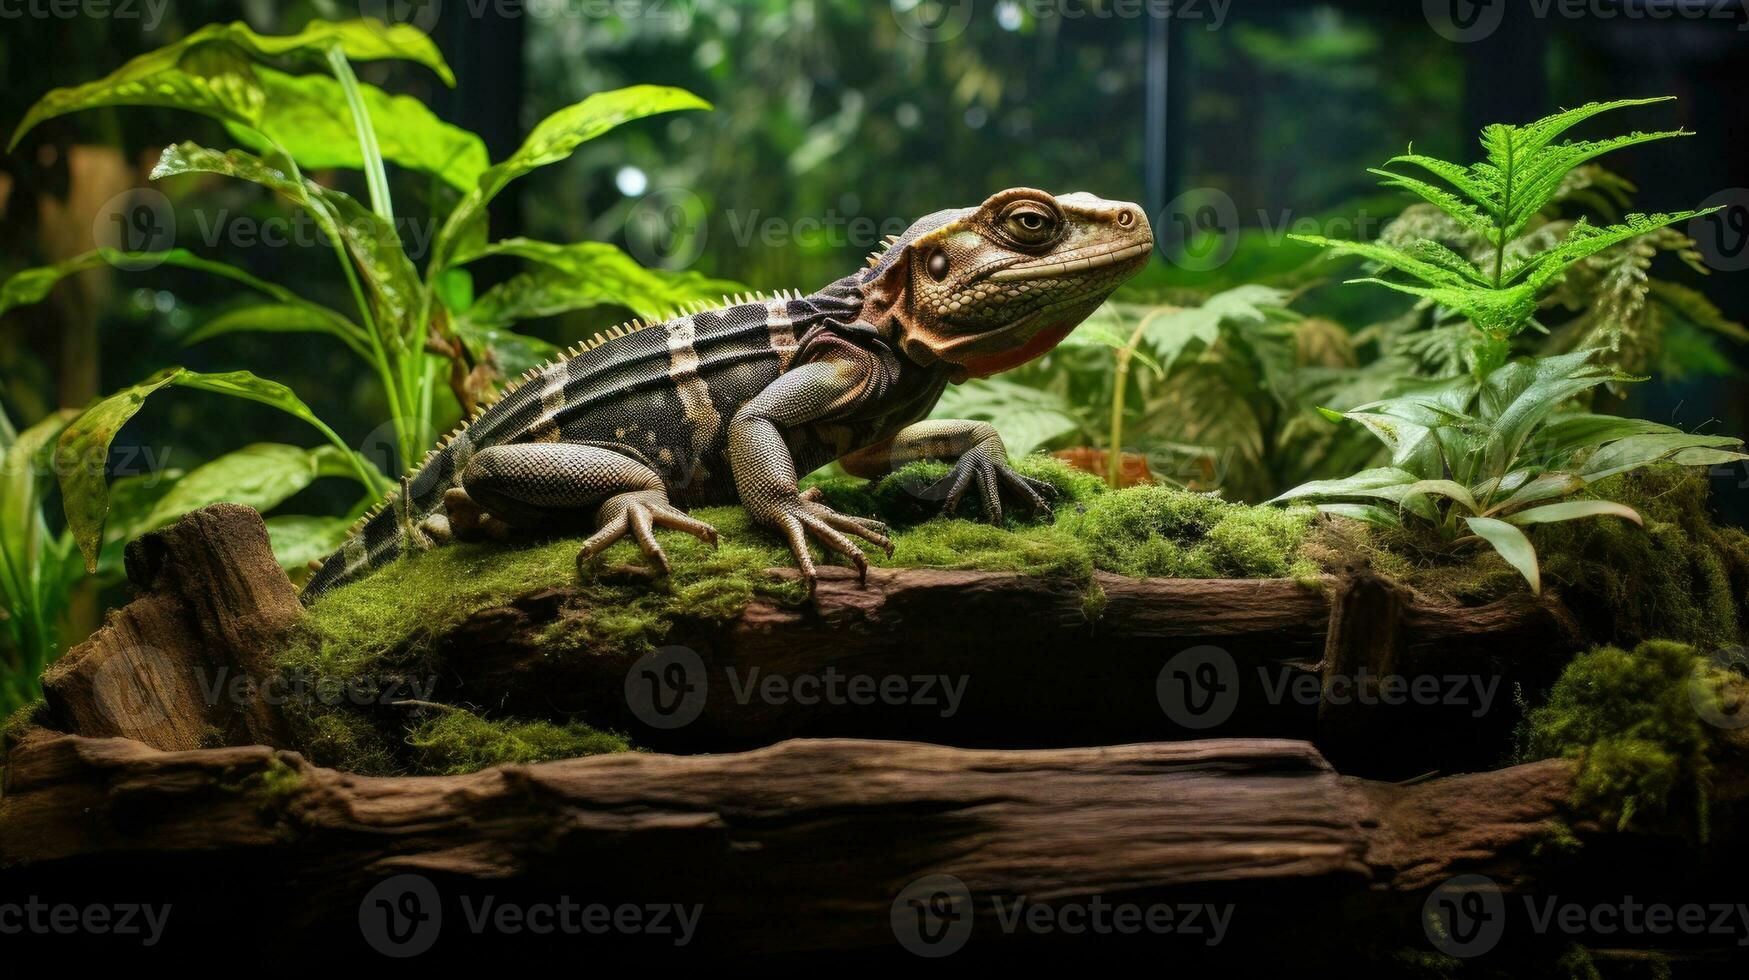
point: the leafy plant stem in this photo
(1120, 386)
(374, 175)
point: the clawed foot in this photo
(991, 477)
(805, 516)
(639, 514)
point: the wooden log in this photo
(1030, 667)
(805, 846)
(178, 667)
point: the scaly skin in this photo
(732, 404)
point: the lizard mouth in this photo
(1074, 262)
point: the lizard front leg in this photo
(527, 485)
(765, 472)
(977, 456)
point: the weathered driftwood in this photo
(173, 667)
(1033, 670)
(957, 657)
(796, 847)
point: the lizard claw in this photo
(991, 477)
(638, 514)
(802, 518)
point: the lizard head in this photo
(988, 288)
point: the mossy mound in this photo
(458, 741)
(1681, 577)
(1158, 532)
(381, 633)
(1637, 722)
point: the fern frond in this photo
(1507, 145)
(1587, 239)
(1540, 175)
(1402, 260)
(1495, 311)
(1467, 214)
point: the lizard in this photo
(733, 403)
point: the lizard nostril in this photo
(1125, 218)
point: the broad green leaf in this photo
(294, 317)
(261, 476)
(1457, 492)
(1572, 510)
(583, 275)
(1030, 417)
(24, 470)
(551, 141)
(1517, 397)
(298, 539)
(513, 352)
(187, 158)
(1546, 486)
(33, 285)
(393, 284)
(1634, 452)
(210, 71)
(1370, 513)
(82, 450)
(1365, 483)
(308, 116)
(1565, 435)
(1512, 545)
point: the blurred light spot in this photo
(907, 116)
(1008, 15)
(976, 117)
(905, 6)
(631, 181)
(708, 55)
(164, 301)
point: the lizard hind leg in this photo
(530, 485)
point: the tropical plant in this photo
(1488, 293)
(1480, 460)
(416, 331)
(37, 567)
(1611, 301)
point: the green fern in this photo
(1497, 200)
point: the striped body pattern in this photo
(733, 403)
(661, 393)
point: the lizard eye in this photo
(1030, 223)
(937, 265)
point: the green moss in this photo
(385, 630)
(29, 715)
(1159, 532)
(909, 497)
(1681, 577)
(458, 741)
(1636, 723)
